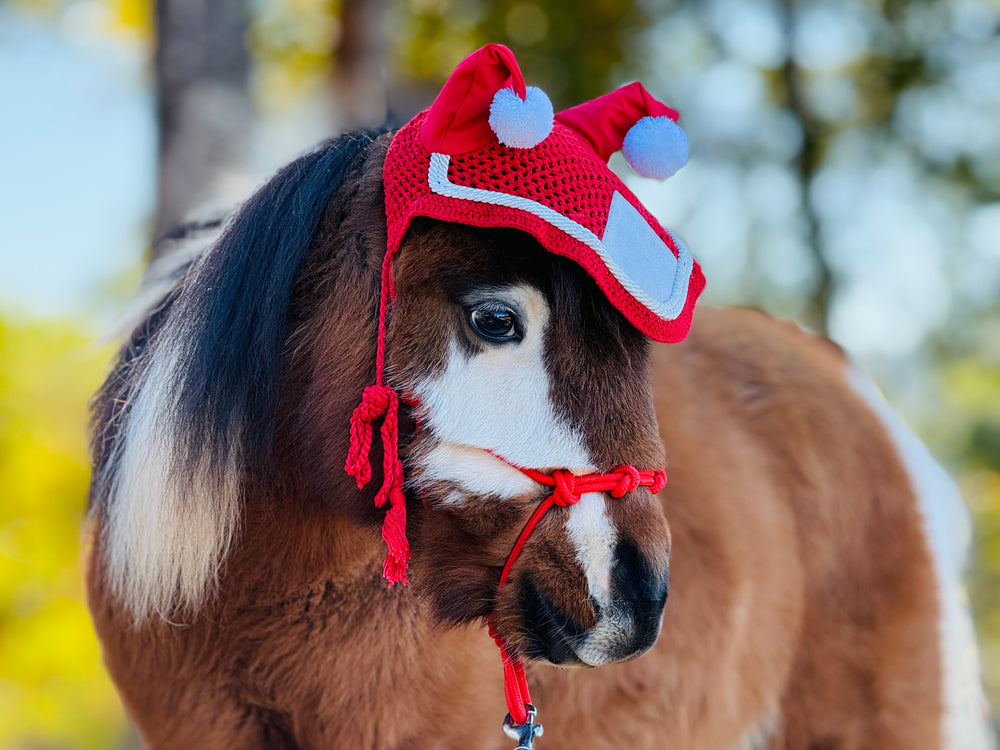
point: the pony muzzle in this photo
(622, 624)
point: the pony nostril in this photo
(640, 590)
(633, 578)
(661, 598)
(649, 615)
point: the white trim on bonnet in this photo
(668, 309)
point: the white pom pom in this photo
(656, 147)
(521, 124)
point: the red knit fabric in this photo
(568, 488)
(458, 120)
(563, 172)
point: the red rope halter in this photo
(567, 490)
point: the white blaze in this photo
(594, 538)
(497, 401)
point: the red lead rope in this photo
(568, 488)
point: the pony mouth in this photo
(552, 635)
(617, 638)
(549, 633)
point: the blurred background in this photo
(845, 172)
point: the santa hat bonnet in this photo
(489, 152)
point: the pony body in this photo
(235, 573)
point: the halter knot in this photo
(659, 481)
(565, 491)
(628, 479)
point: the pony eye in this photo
(494, 321)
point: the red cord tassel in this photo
(381, 401)
(394, 534)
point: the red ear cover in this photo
(603, 122)
(481, 157)
(458, 120)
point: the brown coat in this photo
(803, 608)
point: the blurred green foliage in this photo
(575, 49)
(968, 434)
(54, 691)
(291, 42)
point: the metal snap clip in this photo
(524, 734)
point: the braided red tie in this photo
(568, 488)
(380, 400)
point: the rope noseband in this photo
(568, 488)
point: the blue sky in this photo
(77, 146)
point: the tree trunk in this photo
(203, 105)
(359, 75)
(807, 162)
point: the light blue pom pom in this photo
(521, 124)
(656, 147)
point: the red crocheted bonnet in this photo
(490, 153)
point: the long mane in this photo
(190, 404)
